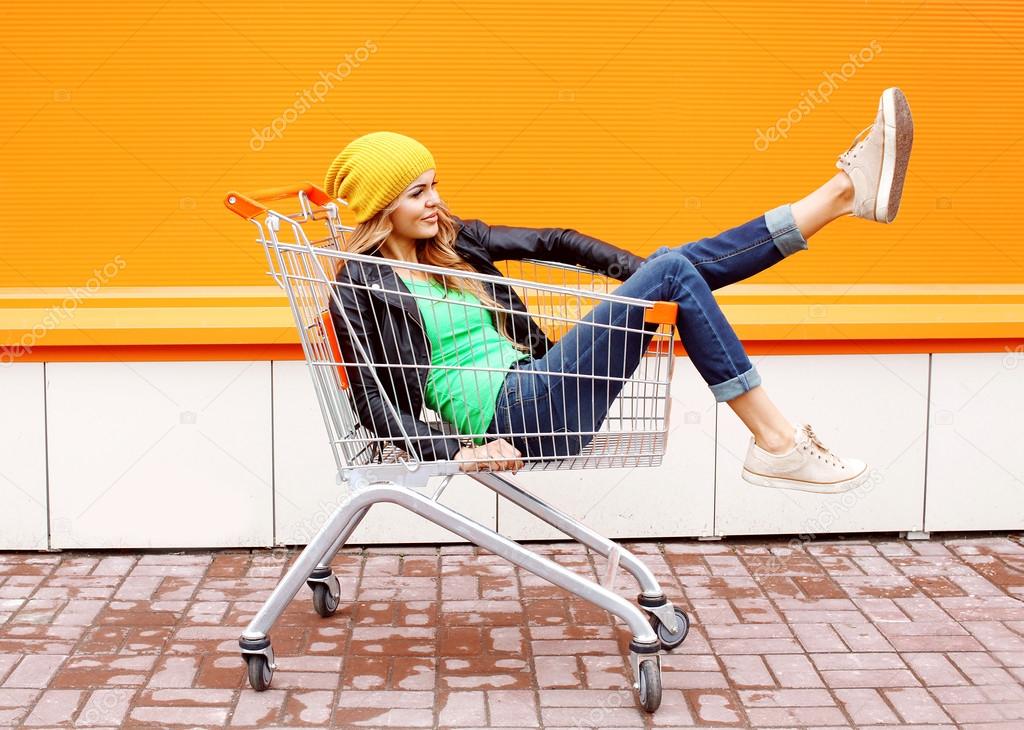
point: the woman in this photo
(412, 345)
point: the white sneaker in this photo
(808, 466)
(877, 163)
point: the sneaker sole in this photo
(779, 483)
(898, 138)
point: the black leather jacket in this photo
(389, 328)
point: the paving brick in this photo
(609, 672)
(980, 668)
(674, 711)
(862, 637)
(594, 717)
(54, 707)
(413, 673)
(869, 678)
(756, 646)
(316, 707)
(105, 707)
(175, 672)
(866, 706)
(934, 669)
(995, 635)
(516, 708)
(916, 705)
(857, 661)
(460, 709)
(756, 610)
(557, 672)
(34, 671)
(793, 670)
(716, 707)
(763, 717)
(258, 709)
(818, 638)
(747, 671)
(91, 671)
(205, 716)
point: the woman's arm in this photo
(565, 245)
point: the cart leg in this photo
(322, 581)
(255, 644)
(515, 553)
(652, 598)
(255, 633)
(325, 561)
(643, 648)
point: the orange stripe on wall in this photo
(171, 353)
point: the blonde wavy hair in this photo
(439, 250)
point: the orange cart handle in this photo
(251, 205)
(662, 313)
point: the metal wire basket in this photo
(626, 407)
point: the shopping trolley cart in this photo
(380, 454)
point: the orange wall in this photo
(636, 122)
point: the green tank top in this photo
(464, 342)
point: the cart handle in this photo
(251, 205)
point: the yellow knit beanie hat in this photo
(374, 169)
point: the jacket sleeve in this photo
(375, 413)
(565, 245)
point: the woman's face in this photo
(416, 215)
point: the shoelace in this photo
(845, 157)
(828, 455)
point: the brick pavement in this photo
(849, 633)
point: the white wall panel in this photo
(159, 454)
(22, 457)
(976, 448)
(872, 407)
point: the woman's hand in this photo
(497, 455)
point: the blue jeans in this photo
(571, 388)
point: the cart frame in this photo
(654, 622)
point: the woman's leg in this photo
(832, 200)
(770, 429)
(745, 250)
(748, 249)
(553, 406)
(570, 389)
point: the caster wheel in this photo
(260, 672)
(671, 639)
(324, 603)
(650, 686)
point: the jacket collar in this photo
(387, 286)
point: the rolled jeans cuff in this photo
(736, 386)
(785, 233)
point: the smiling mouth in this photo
(431, 219)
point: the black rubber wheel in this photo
(650, 686)
(671, 639)
(260, 672)
(324, 603)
